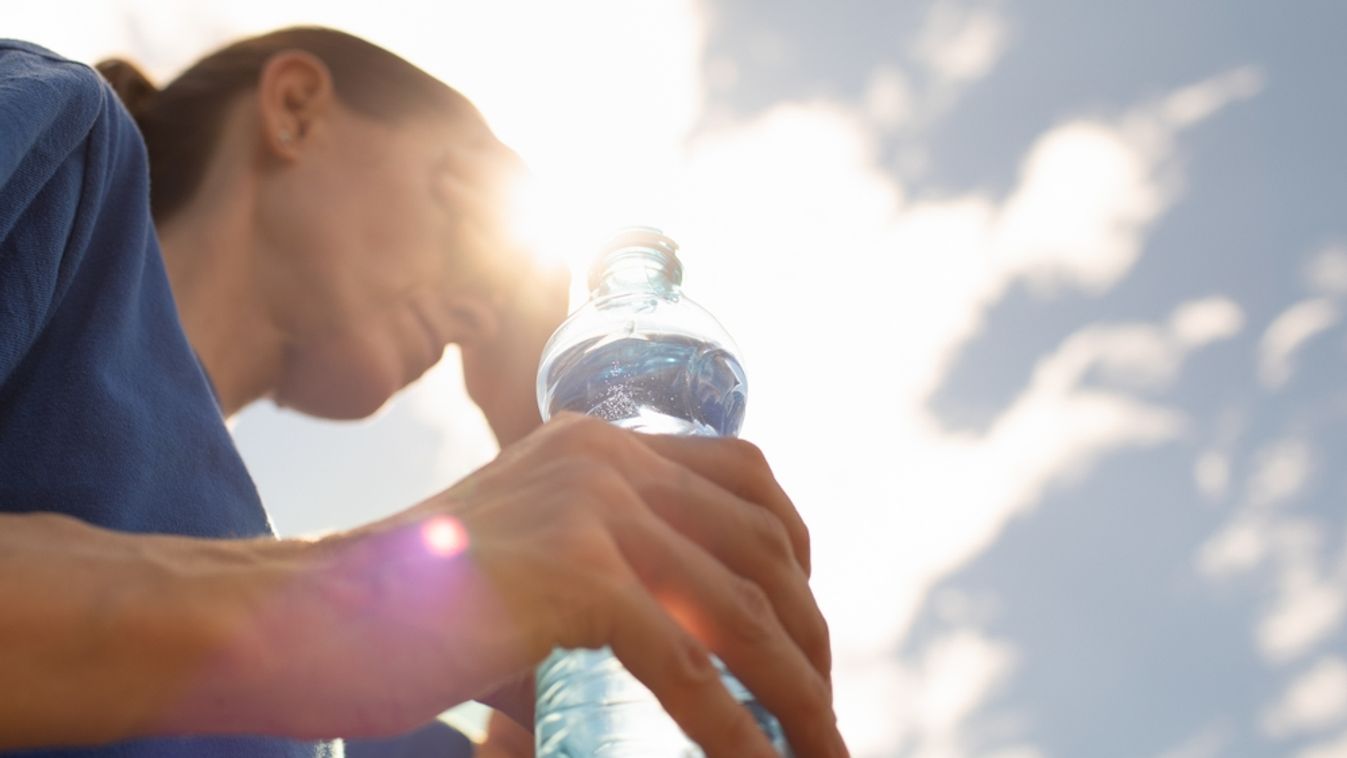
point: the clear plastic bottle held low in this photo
(643, 356)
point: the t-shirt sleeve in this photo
(48, 106)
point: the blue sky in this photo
(1042, 306)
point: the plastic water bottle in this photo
(640, 355)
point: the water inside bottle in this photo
(663, 383)
(588, 704)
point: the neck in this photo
(209, 253)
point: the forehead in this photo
(475, 158)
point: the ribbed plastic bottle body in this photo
(642, 356)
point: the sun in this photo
(555, 219)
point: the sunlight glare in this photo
(555, 222)
(444, 536)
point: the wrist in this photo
(112, 636)
(198, 624)
(311, 640)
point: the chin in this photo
(337, 400)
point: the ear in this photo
(294, 93)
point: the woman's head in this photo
(365, 194)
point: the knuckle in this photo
(750, 455)
(818, 644)
(573, 473)
(575, 487)
(665, 479)
(731, 728)
(611, 492)
(565, 418)
(587, 435)
(579, 470)
(755, 620)
(773, 536)
(814, 709)
(692, 666)
(585, 430)
(570, 430)
(594, 625)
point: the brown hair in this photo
(181, 123)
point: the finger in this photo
(741, 468)
(752, 543)
(678, 671)
(747, 538)
(735, 618)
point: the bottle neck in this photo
(637, 270)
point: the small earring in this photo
(284, 137)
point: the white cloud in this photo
(1236, 548)
(1303, 616)
(1309, 594)
(1332, 748)
(1139, 356)
(1326, 272)
(1211, 473)
(792, 202)
(873, 700)
(1281, 469)
(924, 706)
(1287, 334)
(1208, 742)
(1090, 189)
(1149, 356)
(1316, 700)
(959, 42)
(1195, 103)
(888, 97)
(1308, 606)
(1086, 197)
(957, 673)
(799, 242)
(1210, 319)
(1016, 751)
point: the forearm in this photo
(107, 636)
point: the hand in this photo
(526, 300)
(586, 535)
(501, 373)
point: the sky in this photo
(1041, 306)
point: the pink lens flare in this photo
(444, 536)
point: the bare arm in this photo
(574, 537)
(102, 631)
(108, 636)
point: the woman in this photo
(321, 220)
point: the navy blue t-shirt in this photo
(105, 413)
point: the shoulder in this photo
(42, 76)
(48, 104)
(70, 157)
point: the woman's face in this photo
(384, 242)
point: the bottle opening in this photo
(637, 257)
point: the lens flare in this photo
(444, 536)
(551, 221)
